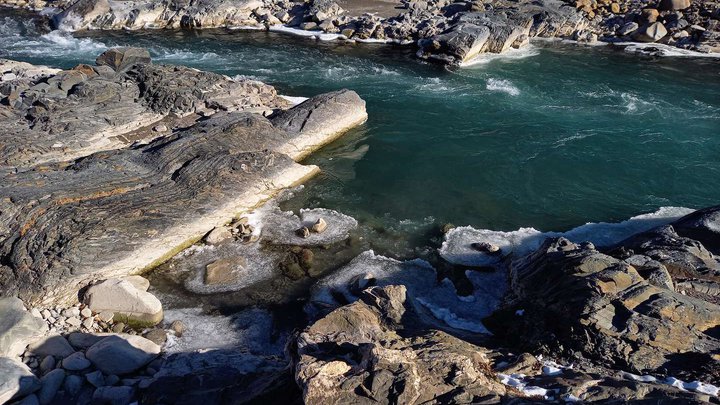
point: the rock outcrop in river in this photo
(645, 306)
(151, 175)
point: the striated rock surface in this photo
(88, 109)
(375, 351)
(119, 212)
(619, 309)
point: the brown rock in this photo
(225, 271)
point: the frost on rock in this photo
(258, 265)
(440, 299)
(280, 227)
(457, 247)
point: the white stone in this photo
(17, 327)
(125, 300)
(16, 380)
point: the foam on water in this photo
(457, 247)
(509, 55)
(20, 37)
(503, 86)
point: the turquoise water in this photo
(551, 138)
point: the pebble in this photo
(178, 327)
(118, 327)
(86, 313)
(36, 313)
(88, 323)
(303, 232)
(73, 321)
(96, 378)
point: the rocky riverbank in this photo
(443, 31)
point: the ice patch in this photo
(695, 386)
(280, 227)
(517, 381)
(438, 298)
(319, 35)
(294, 100)
(502, 86)
(457, 247)
(656, 49)
(250, 330)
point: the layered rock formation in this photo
(647, 306)
(120, 211)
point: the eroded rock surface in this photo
(120, 211)
(375, 351)
(613, 309)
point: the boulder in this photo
(17, 327)
(120, 59)
(376, 347)
(75, 362)
(674, 4)
(53, 345)
(51, 383)
(320, 120)
(225, 271)
(652, 33)
(703, 226)
(83, 341)
(16, 380)
(628, 28)
(122, 354)
(586, 304)
(128, 303)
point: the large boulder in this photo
(702, 225)
(124, 354)
(652, 33)
(16, 380)
(320, 120)
(376, 351)
(120, 59)
(129, 304)
(17, 327)
(579, 302)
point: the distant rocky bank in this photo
(452, 32)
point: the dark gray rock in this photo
(53, 345)
(122, 355)
(51, 383)
(113, 395)
(703, 226)
(120, 59)
(75, 362)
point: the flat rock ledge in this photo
(122, 193)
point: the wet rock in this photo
(348, 355)
(122, 58)
(53, 345)
(225, 271)
(125, 301)
(486, 247)
(17, 327)
(157, 336)
(122, 354)
(703, 226)
(16, 380)
(178, 327)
